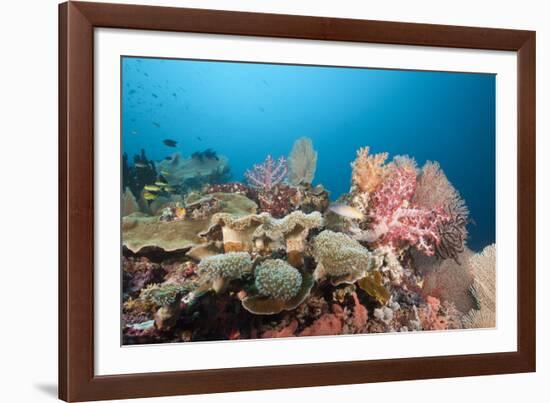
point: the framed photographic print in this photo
(254, 201)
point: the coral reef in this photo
(302, 162)
(208, 259)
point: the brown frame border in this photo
(77, 21)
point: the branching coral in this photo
(277, 279)
(302, 162)
(367, 170)
(483, 289)
(434, 190)
(340, 258)
(268, 174)
(395, 221)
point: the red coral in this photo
(279, 201)
(327, 325)
(286, 331)
(395, 221)
(360, 314)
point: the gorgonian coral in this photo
(267, 174)
(434, 190)
(340, 258)
(367, 170)
(302, 162)
(396, 221)
(483, 289)
(277, 279)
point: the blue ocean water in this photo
(246, 111)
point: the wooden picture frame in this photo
(77, 21)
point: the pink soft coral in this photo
(396, 222)
(268, 174)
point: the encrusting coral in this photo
(302, 162)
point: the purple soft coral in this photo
(265, 176)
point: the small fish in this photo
(346, 211)
(154, 95)
(161, 183)
(141, 165)
(156, 124)
(169, 158)
(180, 213)
(149, 196)
(169, 189)
(163, 172)
(170, 143)
(152, 188)
(143, 325)
(134, 132)
(199, 138)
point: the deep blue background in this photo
(246, 110)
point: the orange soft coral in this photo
(368, 170)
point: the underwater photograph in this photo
(265, 200)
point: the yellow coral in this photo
(368, 170)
